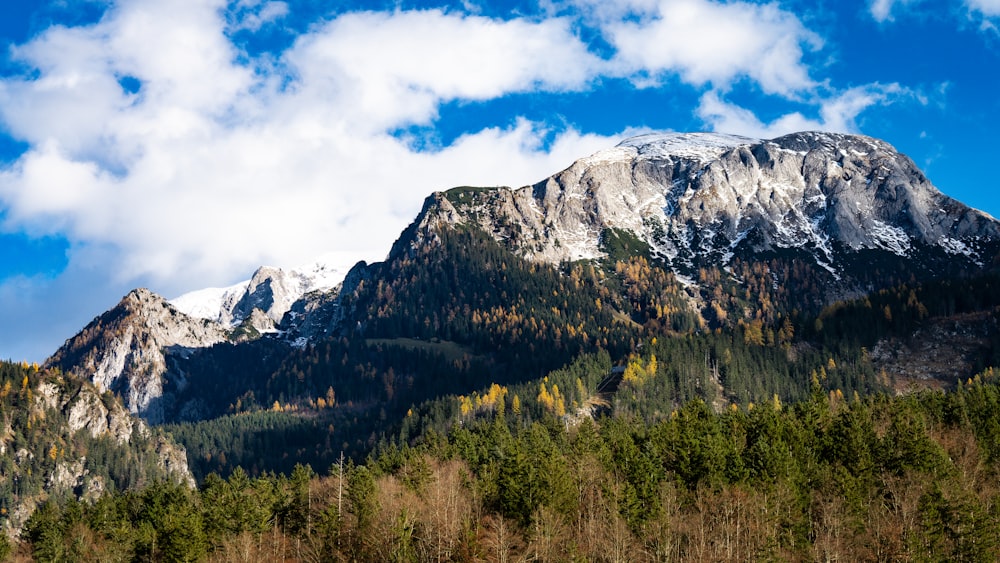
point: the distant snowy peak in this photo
(326, 273)
(271, 290)
(699, 147)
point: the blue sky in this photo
(178, 144)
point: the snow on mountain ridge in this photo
(701, 146)
(207, 303)
(272, 290)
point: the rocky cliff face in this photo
(86, 408)
(64, 463)
(700, 198)
(127, 350)
(132, 349)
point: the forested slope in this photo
(447, 320)
(831, 477)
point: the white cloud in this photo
(885, 10)
(708, 42)
(985, 12)
(398, 67)
(881, 10)
(212, 168)
(836, 114)
(989, 8)
(253, 14)
(220, 161)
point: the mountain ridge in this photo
(271, 290)
(681, 192)
(671, 270)
(690, 201)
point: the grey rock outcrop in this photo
(62, 408)
(696, 198)
(102, 415)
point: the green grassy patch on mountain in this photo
(620, 244)
(465, 194)
(450, 350)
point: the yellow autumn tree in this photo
(465, 405)
(544, 397)
(558, 402)
(638, 374)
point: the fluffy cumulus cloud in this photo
(709, 42)
(205, 166)
(398, 67)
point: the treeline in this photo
(831, 478)
(768, 288)
(719, 368)
(260, 442)
(442, 322)
(468, 289)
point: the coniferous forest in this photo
(826, 478)
(481, 407)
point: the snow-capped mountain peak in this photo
(271, 290)
(208, 303)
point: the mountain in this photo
(686, 285)
(272, 291)
(700, 199)
(128, 350)
(731, 256)
(134, 349)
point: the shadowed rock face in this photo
(127, 350)
(695, 198)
